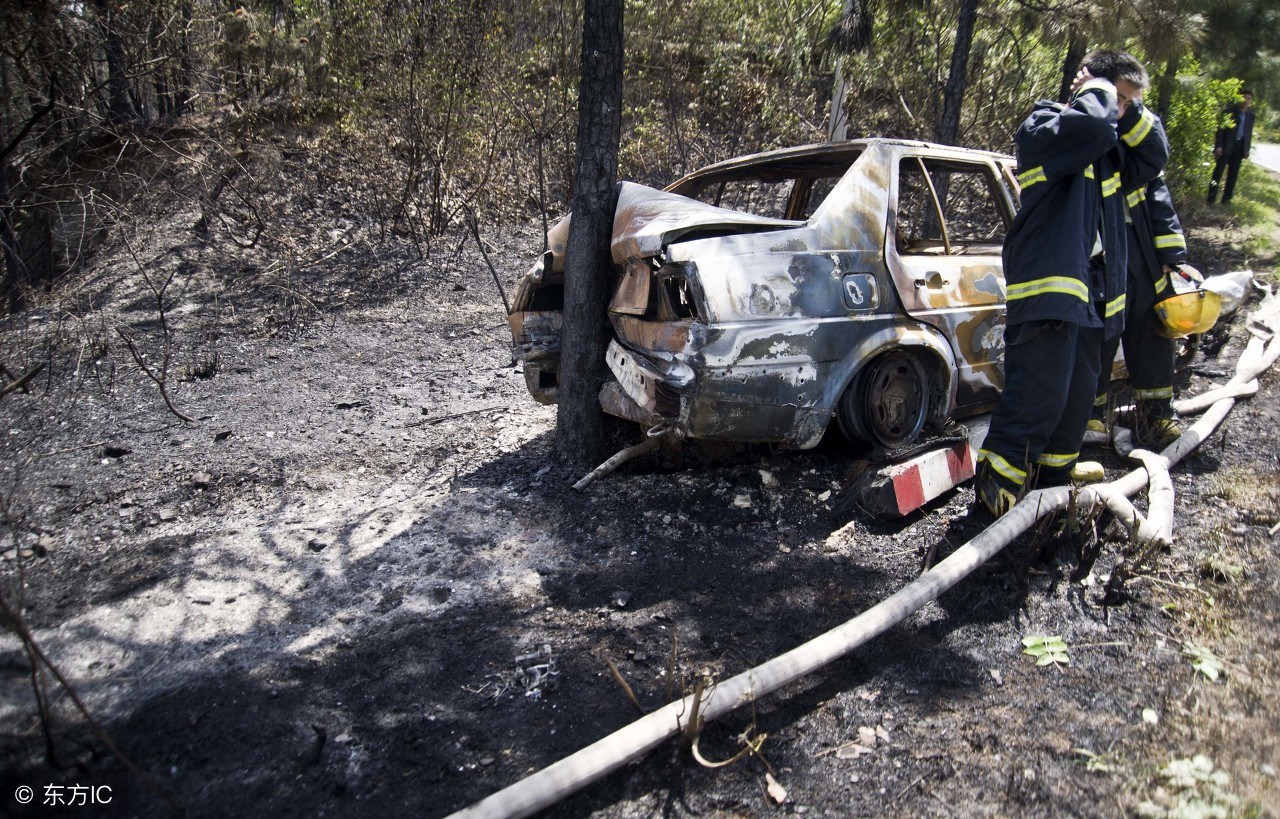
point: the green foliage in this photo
(1095, 763)
(1204, 661)
(1240, 41)
(1219, 566)
(1254, 211)
(897, 84)
(475, 101)
(730, 77)
(1046, 650)
(1194, 117)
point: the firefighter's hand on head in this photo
(1082, 77)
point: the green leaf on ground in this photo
(1204, 661)
(1046, 650)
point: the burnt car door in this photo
(944, 237)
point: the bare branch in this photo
(20, 383)
(16, 623)
(475, 231)
(32, 120)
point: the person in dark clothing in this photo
(1231, 145)
(1157, 248)
(1065, 270)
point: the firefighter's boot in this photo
(997, 493)
(1087, 472)
(1098, 418)
(1155, 433)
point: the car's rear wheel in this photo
(888, 402)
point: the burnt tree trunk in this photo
(1164, 99)
(14, 272)
(948, 130)
(8, 241)
(851, 34)
(120, 110)
(584, 335)
(14, 280)
(1071, 64)
(182, 78)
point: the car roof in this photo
(795, 161)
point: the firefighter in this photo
(1065, 268)
(1157, 248)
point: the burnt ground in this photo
(359, 585)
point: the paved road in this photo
(1266, 155)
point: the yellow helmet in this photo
(1186, 314)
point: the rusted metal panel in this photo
(650, 387)
(756, 404)
(770, 367)
(632, 296)
(964, 298)
(535, 334)
(542, 379)
(660, 337)
(616, 402)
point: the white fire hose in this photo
(549, 785)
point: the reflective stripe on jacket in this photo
(1070, 175)
(1159, 232)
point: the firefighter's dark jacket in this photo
(1070, 175)
(1160, 239)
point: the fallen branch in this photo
(475, 231)
(93, 445)
(161, 378)
(21, 382)
(19, 626)
(161, 375)
(439, 418)
(1170, 584)
(620, 680)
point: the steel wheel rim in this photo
(895, 400)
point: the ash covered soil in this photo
(358, 584)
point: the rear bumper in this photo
(754, 404)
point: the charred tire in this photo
(888, 402)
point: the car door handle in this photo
(933, 280)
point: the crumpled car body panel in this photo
(754, 327)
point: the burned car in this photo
(760, 298)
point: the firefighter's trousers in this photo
(1051, 372)
(1147, 355)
